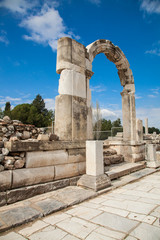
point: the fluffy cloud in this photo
(155, 50)
(98, 88)
(3, 37)
(17, 6)
(97, 2)
(43, 23)
(49, 103)
(150, 6)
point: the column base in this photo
(153, 164)
(95, 183)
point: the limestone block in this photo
(88, 64)
(63, 117)
(158, 156)
(72, 83)
(67, 170)
(150, 152)
(5, 180)
(94, 158)
(27, 177)
(130, 87)
(69, 51)
(76, 155)
(43, 137)
(82, 167)
(45, 158)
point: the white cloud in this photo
(150, 6)
(17, 6)
(49, 103)
(96, 2)
(98, 88)
(43, 23)
(152, 96)
(137, 96)
(156, 90)
(152, 114)
(3, 37)
(155, 51)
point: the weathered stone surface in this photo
(53, 137)
(26, 146)
(72, 83)
(1, 144)
(12, 236)
(66, 170)
(1, 157)
(94, 158)
(47, 158)
(26, 177)
(1, 168)
(5, 180)
(3, 199)
(31, 191)
(95, 183)
(19, 215)
(5, 151)
(76, 155)
(49, 206)
(112, 159)
(19, 164)
(43, 137)
(109, 152)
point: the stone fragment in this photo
(1, 144)
(11, 128)
(1, 158)
(43, 137)
(5, 151)
(6, 119)
(26, 135)
(3, 199)
(4, 129)
(19, 164)
(1, 168)
(53, 137)
(14, 138)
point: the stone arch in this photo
(74, 64)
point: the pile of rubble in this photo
(14, 130)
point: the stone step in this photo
(109, 152)
(113, 159)
(123, 169)
(119, 134)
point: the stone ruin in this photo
(31, 163)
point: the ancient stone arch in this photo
(73, 114)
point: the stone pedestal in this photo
(151, 157)
(94, 178)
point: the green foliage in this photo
(153, 129)
(21, 112)
(34, 113)
(7, 109)
(1, 113)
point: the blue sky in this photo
(28, 36)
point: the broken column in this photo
(139, 130)
(146, 126)
(94, 178)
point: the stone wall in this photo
(45, 166)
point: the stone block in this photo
(23, 193)
(76, 155)
(94, 158)
(31, 176)
(3, 199)
(66, 170)
(82, 167)
(69, 51)
(24, 146)
(46, 158)
(139, 130)
(73, 111)
(5, 180)
(72, 83)
(150, 152)
(95, 183)
(43, 137)
(63, 110)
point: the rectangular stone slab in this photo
(46, 158)
(5, 180)
(24, 146)
(31, 176)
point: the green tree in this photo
(1, 113)
(153, 129)
(7, 109)
(22, 112)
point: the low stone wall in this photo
(47, 166)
